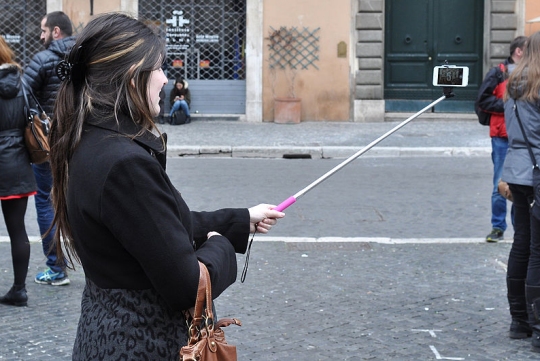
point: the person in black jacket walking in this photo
(40, 75)
(118, 212)
(17, 181)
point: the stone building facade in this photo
(342, 73)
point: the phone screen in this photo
(450, 76)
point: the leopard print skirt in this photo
(119, 324)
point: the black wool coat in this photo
(139, 244)
(16, 175)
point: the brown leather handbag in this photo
(206, 338)
(36, 132)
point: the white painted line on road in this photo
(381, 240)
(431, 332)
(439, 357)
(34, 239)
(503, 265)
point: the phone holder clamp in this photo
(448, 91)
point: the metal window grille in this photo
(293, 48)
(205, 39)
(20, 26)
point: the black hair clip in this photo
(63, 70)
(66, 71)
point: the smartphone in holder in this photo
(450, 76)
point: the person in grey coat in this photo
(17, 181)
(118, 212)
(522, 103)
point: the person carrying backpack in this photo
(490, 108)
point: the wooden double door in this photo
(421, 34)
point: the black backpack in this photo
(484, 118)
(178, 117)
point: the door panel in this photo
(421, 34)
(406, 48)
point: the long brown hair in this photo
(524, 81)
(7, 56)
(111, 63)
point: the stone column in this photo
(130, 6)
(54, 5)
(369, 87)
(254, 61)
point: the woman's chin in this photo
(155, 110)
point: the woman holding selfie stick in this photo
(117, 210)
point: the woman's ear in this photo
(132, 82)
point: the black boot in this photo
(15, 297)
(533, 309)
(519, 328)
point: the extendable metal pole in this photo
(286, 203)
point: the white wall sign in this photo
(178, 35)
(12, 38)
(203, 38)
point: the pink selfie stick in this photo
(286, 203)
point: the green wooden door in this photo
(421, 34)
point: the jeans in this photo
(499, 146)
(45, 212)
(518, 260)
(180, 104)
(524, 258)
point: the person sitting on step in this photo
(180, 98)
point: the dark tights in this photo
(524, 258)
(14, 211)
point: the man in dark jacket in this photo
(490, 100)
(40, 76)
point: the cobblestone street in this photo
(307, 301)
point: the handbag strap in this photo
(204, 298)
(201, 295)
(529, 148)
(26, 104)
(38, 106)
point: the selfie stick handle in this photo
(289, 201)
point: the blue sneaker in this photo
(49, 277)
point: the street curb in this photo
(326, 152)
